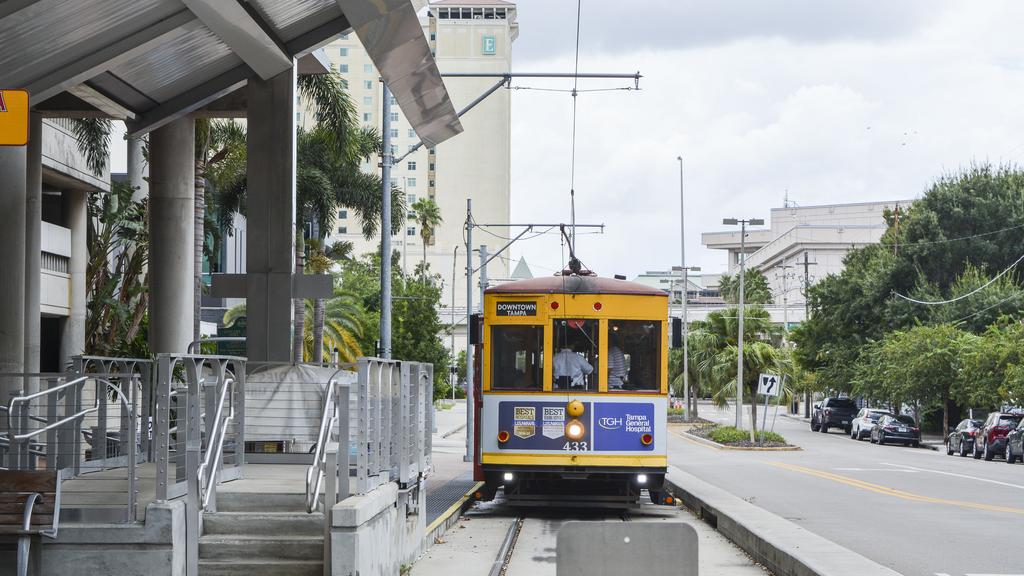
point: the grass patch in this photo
(732, 435)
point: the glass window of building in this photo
(368, 84)
(343, 68)
(394, 149)
(575, 342)
(368, 68)
(342, 214)
(298, 115)
(411, 165)
(410, 231)
(634, 359)
(412, 133)
(394, 101)
(343, 51)
(432, 150)
(411, 182)
(394, 116)
(517, 357)
(433, 36)
(411, 198)
(368, 100)
(393, 132)
(431, 167)
(430, 183)
(367, 116)
(342, 230)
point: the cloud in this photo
(853, 118)
(548, 27)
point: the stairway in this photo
(261, 535)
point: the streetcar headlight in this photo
(507, 477)
(574, 430)
(641, 478)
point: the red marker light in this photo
(646, 439)
(503, 436)
(597, 306)
(554, 305)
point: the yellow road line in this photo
(694, 442)
(451, 509)
(894, 492)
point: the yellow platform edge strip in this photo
(451, 509)
(574, 460)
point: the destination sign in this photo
(517, 308)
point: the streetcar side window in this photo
(517, 357)
(634, 361)
(574, 364)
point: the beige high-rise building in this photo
(467, 36)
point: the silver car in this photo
(860, 427)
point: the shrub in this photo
(732, 435)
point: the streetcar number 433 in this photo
(575, 446)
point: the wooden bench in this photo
(29, 509)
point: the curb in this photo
(718, 446)
(453, 431)
(782, 546)
(442, 523)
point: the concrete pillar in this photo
(172, 177)
(270, 203)
(33, 243)
(12, 266)
(138, 169)
(76, 215)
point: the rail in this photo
(336, 397)
(214, 453)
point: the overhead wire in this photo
(947, 240)
(987, 308)
(962, 296)
(572, 155)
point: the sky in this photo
(826, 102)
(823, 102)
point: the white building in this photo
(64, 256)
(468, 36)
(822, 234)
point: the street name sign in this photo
(13, 117)
(769, 384)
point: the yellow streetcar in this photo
(572, 391)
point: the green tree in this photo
(755, 288)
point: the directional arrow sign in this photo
(769, 384)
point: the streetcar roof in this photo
(575, 285)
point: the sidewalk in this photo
(451, 477)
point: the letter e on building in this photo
(13, 117)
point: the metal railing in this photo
(336, 404)
(214, 454)
(46, 429)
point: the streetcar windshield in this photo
(517, 357)
(633, 355)
(574, 365)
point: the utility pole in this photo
(682, 262)
(807, 316)
(469, 316)
(453, 375)
(742, 306)
(385, 225)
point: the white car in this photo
(861, 426)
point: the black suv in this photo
(833, 413)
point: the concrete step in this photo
(261, 568)
(271, 548)
(263, 523)
(253, 502)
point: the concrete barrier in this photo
(378, 532)
(784, 547)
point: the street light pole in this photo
(682, 262)
(742, 305)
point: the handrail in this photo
(41, 393)
(213, 339)
(327, 421)
(73, 417)
(215, 448)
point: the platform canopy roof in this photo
(152, 61)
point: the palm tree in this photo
(428, 216)
(93, 138)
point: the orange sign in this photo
(13, 117)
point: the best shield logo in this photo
(610, 423)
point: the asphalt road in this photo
(917, 511)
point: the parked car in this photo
(961, 439)
(900, 428)
(865, 420)
(992, 437)
(1015, 444)
(833, 412)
